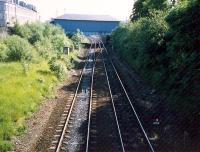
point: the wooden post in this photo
(68, 50)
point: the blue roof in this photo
(84, 17)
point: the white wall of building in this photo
(10, 13)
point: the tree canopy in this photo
(162, 43)
(142, 8)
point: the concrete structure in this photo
(12, 11)
(88, 24)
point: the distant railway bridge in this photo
(88, 24)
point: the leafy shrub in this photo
(142, 8)
(3, 52)
(68, 63)
(164, 48)
(57, 68)
(33, 32)
(27, 41)
(69, 60)
(48, 39)
(50, 30)
(142, 42)
(77, 39)
(21, 30)
(184, 54)
(18, 49)
(58, 42)
(44, 48)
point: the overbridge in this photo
(88, 24)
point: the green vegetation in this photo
(162, 44)
(143, 8)
(20, 94)
(18, 49)
(57, 68)
(77, 39)
(32, 62)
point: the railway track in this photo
(72, 131)
(133, 134)
(101, 117)
(103, 134)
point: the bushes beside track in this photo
(32, 62)
(164, 47)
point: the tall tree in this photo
(142, 8)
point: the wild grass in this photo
(20, 93)
(27, 75)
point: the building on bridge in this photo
(88, 24)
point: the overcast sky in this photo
(120, 9)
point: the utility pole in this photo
(56, 12)
(15, 12)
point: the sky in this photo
(119, 9)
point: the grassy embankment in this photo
(20, 94)
(32, 63)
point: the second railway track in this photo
(101, 117)
(73, 126)
(103, 131)
(133, 134)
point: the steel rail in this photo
(71, 108)
(113, 105)
(90, 105)
(130, 102)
